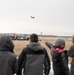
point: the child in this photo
(59, 58)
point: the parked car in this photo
(22, 38)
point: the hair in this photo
(73, 39)
(33, 38)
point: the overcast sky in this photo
(52, 17)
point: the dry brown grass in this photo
(19, 45)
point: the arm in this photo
(46, 64)
(64, 64)
(49, 44)
(71, 51)
(21, 59)
(15, 66)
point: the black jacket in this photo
(60, 62)
(35, 60)
(7, 57)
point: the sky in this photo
(52, 17)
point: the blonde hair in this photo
(73, 39)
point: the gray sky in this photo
(52, 17)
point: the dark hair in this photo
(34, 38)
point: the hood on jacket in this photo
(56, 51)
(35, 46)
(6, 43)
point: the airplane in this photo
(32, 17)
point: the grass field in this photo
(19, 45)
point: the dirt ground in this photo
(19, 45)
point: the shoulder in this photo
(26, 50)
(72, 47)
(64, 55)
(12, 56)
(71, 51)
(44, 50)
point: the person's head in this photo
(6, 43)
(33, 38)
(73, 39)
(60, 43)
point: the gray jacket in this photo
(71, 54)
(7, 57)
(35, 60)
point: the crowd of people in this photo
(34, 59)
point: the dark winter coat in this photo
(71, 54)
(60, 61)
(7, 57)
(35, 60)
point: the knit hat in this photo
(59, 42)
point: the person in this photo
(7, 56)
(34, 59)
(59, 58)
(71, 54)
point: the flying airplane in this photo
(32, 17)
